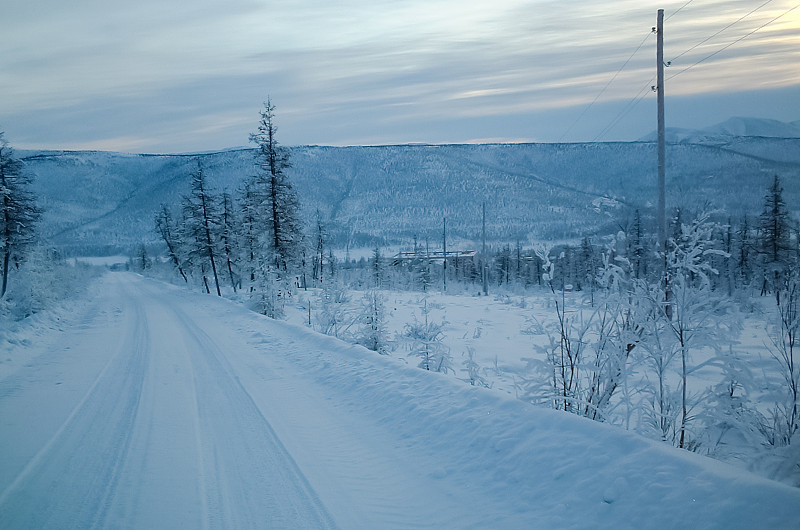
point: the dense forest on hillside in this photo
(102, 203)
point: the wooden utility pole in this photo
(484, 266)
(662, 166)
(444, 254)
(662, 218)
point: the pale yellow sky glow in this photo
(134, 75)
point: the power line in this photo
(678, 11)
(585, 110)
(629, 106)
(720, 31)
(707, 57)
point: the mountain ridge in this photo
(736, 126)
(99, 202)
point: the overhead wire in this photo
(678, 10)
(720, 31)
(709, 56)
(585, 110)
(629, 106)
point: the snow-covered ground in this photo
(494, 327)
(152, 407)
(508, 331)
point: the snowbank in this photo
(556, 469)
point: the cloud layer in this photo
(162, 77)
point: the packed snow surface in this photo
(153, 407)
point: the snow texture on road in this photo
(160, 408)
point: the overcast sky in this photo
(174, 76)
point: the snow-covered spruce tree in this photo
(744, 251)
(376, 267)
(170, 235)
(333, 265)
(636, 247)
(373, 322)
(18, 212)
(589, 266)
(249, 235)
(503, 265)
(422, 273)
(201, 227)
(141, 260)
(774, 231)
(727, 265)
(267, 295)
(319, 238)
(275, 193)
(228, 239)
(425, 338)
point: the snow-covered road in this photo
(159, 408)
(158, 433)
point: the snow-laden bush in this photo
(334, 316)
(425, 339)
(44, 280)
(373, 334)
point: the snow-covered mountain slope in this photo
(739, 126)
(734, 127)
(154, 407)
(96, 201)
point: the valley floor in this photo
(153, 407)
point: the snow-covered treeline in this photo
(647, 340)
(252, 242)
(18, 213)
(33, 276)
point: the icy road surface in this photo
(153, 407)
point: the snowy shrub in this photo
(473, 369)
(785, 351)
(732, 423)
(425, 339)
(373, 334)
(268, 295)
(334, 315)
(589, 344)
(45, 280)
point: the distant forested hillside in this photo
(100, 202)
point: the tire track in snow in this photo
(255, 477)
(198, 441)
(162, 478)
(70, 481)
(137, 367)
(14, 386)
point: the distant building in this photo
(458, 259)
